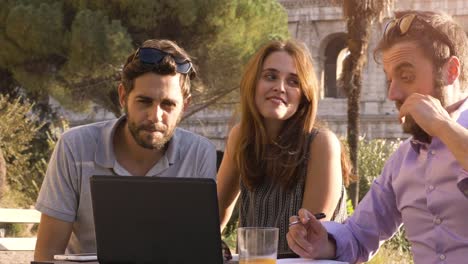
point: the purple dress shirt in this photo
(422, 187)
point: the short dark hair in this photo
(433, 47)
(134, 68)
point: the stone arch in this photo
(333, 53)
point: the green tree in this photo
(26, 147)
(74, 50)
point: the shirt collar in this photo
(462, 113)
(418, 145)
(105, 156)
(173, 149)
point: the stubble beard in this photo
(148, 140)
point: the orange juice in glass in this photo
(258, 261)
(257, 245)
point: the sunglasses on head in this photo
(403, 24)
(153, 56)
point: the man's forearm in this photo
(46, 254)
(52, 238)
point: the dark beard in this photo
(411, 127)
(160, 144)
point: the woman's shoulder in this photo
(233, 137)
(235, 129)
(324, 137)
(234, 133)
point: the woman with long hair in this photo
(277, 159)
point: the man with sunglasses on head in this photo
(424, 184)
(145, 141)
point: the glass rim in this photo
(258, 228)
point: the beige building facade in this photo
(320, 24)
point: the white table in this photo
(235, 258)
(308, 261)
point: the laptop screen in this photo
(156, 220)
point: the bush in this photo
(229, 234)
(26, 143)
(372, 157)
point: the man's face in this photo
(409, 71)
(154, 108)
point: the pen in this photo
(317, 216)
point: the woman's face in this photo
(278, 94)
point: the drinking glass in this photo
(257, 245)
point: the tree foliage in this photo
(2, 174)
(372, 157)
(26, 148)
(74, 50)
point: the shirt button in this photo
(442, 257)
(431, 187)
(433, 152)
(438, 221)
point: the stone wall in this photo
(318, 23)
(213, 123)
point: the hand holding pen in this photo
(317, 216)
(307, 237)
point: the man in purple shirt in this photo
(424, 184)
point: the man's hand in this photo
(309, 239)
(426, 111)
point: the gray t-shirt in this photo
(88, 150)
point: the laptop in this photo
(156, 220)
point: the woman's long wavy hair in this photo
(256, 155)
